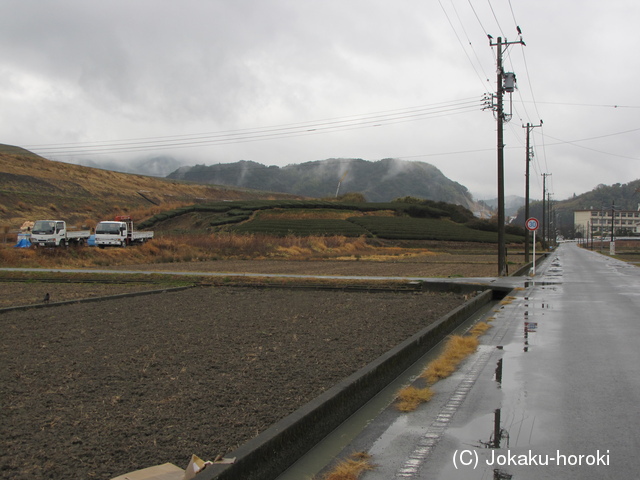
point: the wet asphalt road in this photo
(553, 391)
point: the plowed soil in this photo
(95, 390)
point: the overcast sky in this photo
(291, 81)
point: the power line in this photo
(478, 18)
(264, 133)
(599, 105)
(335, 120)
(512, 14)
(496, 19)
(575, 144)
(600, 136)
(484, 78)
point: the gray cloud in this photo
(78, 71)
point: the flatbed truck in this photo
(120, 233)
(55, 233)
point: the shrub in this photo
(303, 228)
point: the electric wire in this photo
(264, 133)
(329, 121)
(513, 15)
(482, 80)
(478, 18)
(496, 19)
(575, 144)
(238, 139)
(599, 105)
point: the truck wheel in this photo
(123, 244)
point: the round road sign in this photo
(532, 224)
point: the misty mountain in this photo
(158, 166)
(512, 204)
(378, 181)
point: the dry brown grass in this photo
(193, 248)
(336, 246)
(410, 397)
(480, 328)
(351, 468)
(197, 248)
(456, 349)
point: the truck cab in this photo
(49, 233)
(112, 233)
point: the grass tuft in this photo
(480, 328)
(351, 468)
(410, 397)
(456, 349)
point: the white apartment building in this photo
(598, 222)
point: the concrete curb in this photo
(273, 451)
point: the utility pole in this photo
(544, 209)
(612, 244)
(529, 127)
(613, 216)
(550, 220)
(500, 117)
(502, 254)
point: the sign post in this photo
(532, 225)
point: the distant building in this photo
(598, 222)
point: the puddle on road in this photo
(499, 436)
(512, 424)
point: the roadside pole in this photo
(534, 253)
(532, 225)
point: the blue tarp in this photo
(92, 241)
(23, 243)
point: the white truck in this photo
(119, 233)
(54, 233)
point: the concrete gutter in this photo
(273, 451)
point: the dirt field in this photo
(99, 389)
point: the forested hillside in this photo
(380, 181)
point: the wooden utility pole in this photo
(529, 127)
(550, 220)
(500, 116)
(613, 218)
(502, 254)
(544, 208)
